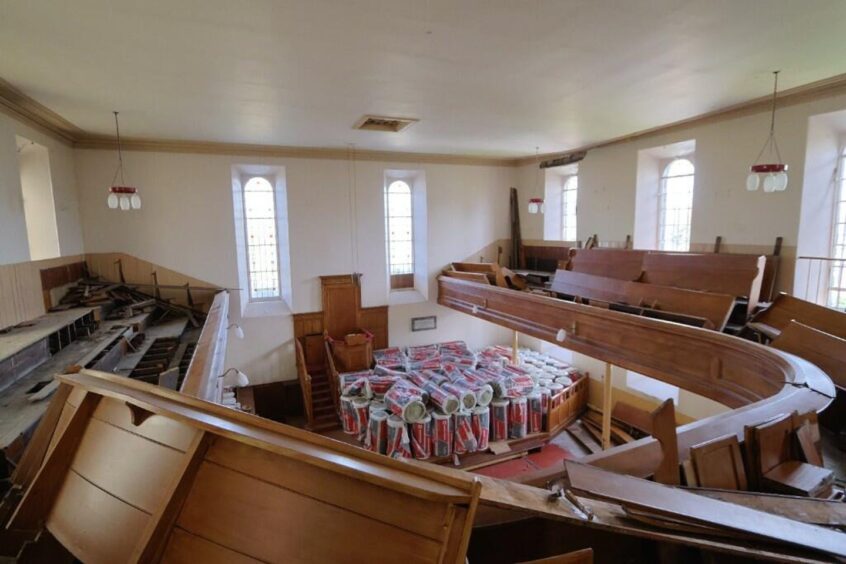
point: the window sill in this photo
(405, 296)
(266, 309)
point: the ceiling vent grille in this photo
(383, 123)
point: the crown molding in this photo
(18, 105)
(23, 108)
(280, 151)
(825, 88)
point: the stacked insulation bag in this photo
(443, 399)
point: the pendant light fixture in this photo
(536, 204)
(773, 174)
(121, 196)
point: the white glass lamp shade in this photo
(752, 182)
(112, 201)
(235, 379)
(780, 182)
(135, 202)
(533, 207)
(542, 207)
(124, 203)
(770, 183)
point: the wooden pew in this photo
(823, 349)
(713, 307)
(621, 264)
(786, 308)
(545, 258)
(736, 275)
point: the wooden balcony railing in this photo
(203, 377)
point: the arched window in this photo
(398, 212)
(569, 196)
(675, 206)
(261, 237)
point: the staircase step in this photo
(12, 541)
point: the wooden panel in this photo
(308, 324)
(64, 418)
(415, 515)
(93, 525)
(823, 349)
(108, 457)
(156, 427)
(547, 258)
(664, 430)
(716, 308)
(610, 263)
(719, 464)
(375, 320)
(21, 291)
(185, 548)
(341, 302)
(786, 308)
(39, 444)
(221, 500)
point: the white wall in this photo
(725, 148)
(14, 245)
(187, 224)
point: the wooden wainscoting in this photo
(22, 293)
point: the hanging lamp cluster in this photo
(772, 175)
(121, 196)
(536, 204)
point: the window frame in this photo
(245, 178)
(572, 178)
(837, 268)
(403, 281)
(662, 202)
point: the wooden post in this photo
(606, 408)
(515, 357)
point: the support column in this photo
(606, 408)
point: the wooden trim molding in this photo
(22, 107)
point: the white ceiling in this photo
(487, 77)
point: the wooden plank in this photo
(201, 380)
(799, 478)
(221, 500)
(805, 435)
(664, 430)
(634, 417)
(606, 407)
(675, 502)
(36, 450)
(108, 458)
(719, 464)
(163, 516)
(584, 438)
(583, 556)
(39, 498)
(185, 548)
(805, 509)
(418, 516)
(156, 427)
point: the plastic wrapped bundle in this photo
(347, 378)
(481, 423)
(441, 435)
(391, 358)
(358, 388)
(482, 391)
(555, 395)
(417, 390)
(360, 412)
(518, 418)
(377, 432)
(465, 440)
(535, 406)
(347, 415)
(376, 405)
(418, 378)
(404, 403)
(446, 402)
(426, 364)
(379, 385)
(499, 420)
(399, 445)
(452, 372)
(435, 377)
(384, 371)
(565, 381)
(518, 386)
(421, 438)
(464, 395)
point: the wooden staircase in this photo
(24, 547)
(318, 394)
